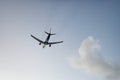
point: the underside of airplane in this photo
(46, 42)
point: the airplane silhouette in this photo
(46, 42)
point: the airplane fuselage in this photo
(47, 39)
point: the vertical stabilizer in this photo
(49, 33)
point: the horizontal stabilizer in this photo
(50, 33)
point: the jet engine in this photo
(39, 43)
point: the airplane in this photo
(46, 42)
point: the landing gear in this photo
(39, 43)
(43, 46)
(49, 45)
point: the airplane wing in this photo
(55, 42)
(37, 39)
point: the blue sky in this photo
(21, 58)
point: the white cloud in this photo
(91, 61)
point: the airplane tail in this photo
(50, 33)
